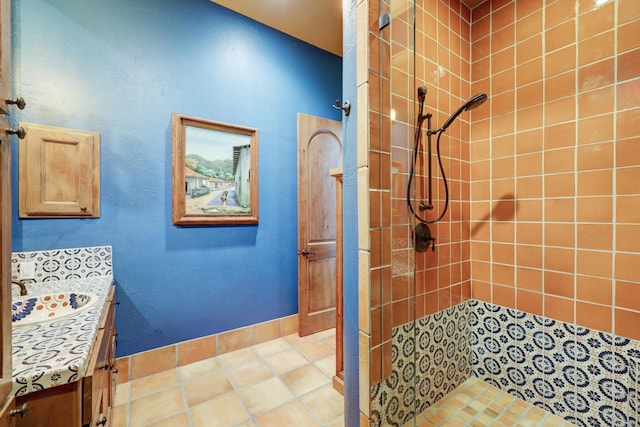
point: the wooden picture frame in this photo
(215, 172)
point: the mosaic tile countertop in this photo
(53, 353)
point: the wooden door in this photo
(5, 201)
(319, 150)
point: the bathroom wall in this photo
(398, 285)
(122, 69)
(555, 161)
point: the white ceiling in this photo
(317, 22)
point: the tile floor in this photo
(284, 382)
(287, 382)
(477, 404)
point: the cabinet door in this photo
(5, 203)
(59, 172)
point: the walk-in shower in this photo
(422, 238)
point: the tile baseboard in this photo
(150, 362)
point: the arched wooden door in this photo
(319, 150)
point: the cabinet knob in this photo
(83, 208)
(20, 411)
(102, 420)
(20, 132)
(19, 101)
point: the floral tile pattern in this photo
(65, 264)
(48, 354)
(586, 377)
(429, 360)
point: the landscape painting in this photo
(214, 172)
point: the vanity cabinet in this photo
(83, 403)
(6, 419)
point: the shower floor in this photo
(476, 403)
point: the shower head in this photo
(422, 93)
(472, 103)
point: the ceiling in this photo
(317, 22)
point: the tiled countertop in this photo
(49, 354)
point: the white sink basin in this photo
(28, 310)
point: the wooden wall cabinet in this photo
(86, 402)
(59, 172)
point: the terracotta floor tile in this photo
(123, 391)
(156, 406)
(296, 340)
(224, 411)
(325, 403)
(249, 373)
(265, 396)
(291, 414)
(119, 416)
(338, 423)
(260, 396)
(153, 383)
(315, 350)
(207, 388)
(238, 357)
(327, 365)
(198, 369)
(179, 420)
(285, 361)
(476, 403)
(305, 379)
(272, 347)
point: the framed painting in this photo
(215, 172)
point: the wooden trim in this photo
(338, 380)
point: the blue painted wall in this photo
(121, 67)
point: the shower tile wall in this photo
(545, 213)
(582, 375)
(555, 160)
(430, 359)
(400, 284)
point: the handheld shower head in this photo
(472, 103)
(422, 93)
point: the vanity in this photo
(63, 361)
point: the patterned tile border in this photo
(587, 377)
(442, 362)
(65, 264)
(584, 376)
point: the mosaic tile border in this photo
(586, 377)
(65, 264)
(441, 343)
